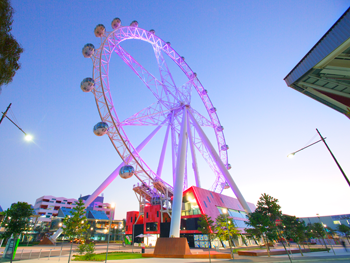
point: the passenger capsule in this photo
(152, 31)
(227, 186)
(116, 23)
(220, 128)
(168, 43)
(183, 58)
(87, 84)
(204, 92)
(212, 110)
(126, 171)
(229, 166)
(134, 23)
(101, 128)
(224, 147)
(99, 30)
(88, 50)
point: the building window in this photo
(131, 219)
(157, 213)
(222, 200)
(205, 204)
(147, 215)
(152, 226)
(211, 195)
(336, 222)
(208, 199)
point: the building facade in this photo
(196, 202)
(48, 206)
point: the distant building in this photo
(332, 221)
(1, 209)
(48, 206)
(99, 205)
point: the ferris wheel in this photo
(171, 110)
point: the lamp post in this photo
(109, 228)
(225, 211)
(27, 137)
(115, 232)
(323, 140)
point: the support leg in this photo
(115, 173)
(161, 160)
(179, 182)
(220, 164)
(193, 153)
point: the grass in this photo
(111, 256)
(319, 249)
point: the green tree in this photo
(259, 227)
(15, 220)
(294, 229)
(226, 229)
(206, 226)
(345, 230)
(318, 231)
(10, 50)
(75, 224)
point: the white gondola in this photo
(101, 128)
(99, 30)
(87, 84)
(88, 50)
(126, 171)
(116, 22)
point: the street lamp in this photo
(323, 139)
(109, 228)
(225, 211)
(27, 137)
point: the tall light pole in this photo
(109, 229)
(27, 137)
(225, 211)
(324, 141)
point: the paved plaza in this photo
(54, 252)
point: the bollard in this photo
(30, 254)
(59, 258)
(39, 254)
(143, 249)
(49, 254)
(21, 254)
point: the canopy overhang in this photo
(324, 72)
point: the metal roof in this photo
(324, 72)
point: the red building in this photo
(196, 201)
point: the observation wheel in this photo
(170, 109)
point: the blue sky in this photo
(241, 51)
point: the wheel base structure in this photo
(177, 247)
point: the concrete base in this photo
(46, 241)
(256, 253)
(178, 248)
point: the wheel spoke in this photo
(202, 121)
(157, 88)
(152, 115)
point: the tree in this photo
(15, 220)
(345, 230)
(10, 50)
(318, 231)
(75, 224)
(206, 226)
(226, 229)
(294, 229)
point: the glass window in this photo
(147, 215)
(220, 210)
(240, 223)
(157, 213)
(205, 204)
(152, 226)
(131, 219)
(208, 199)
(211, 195)
(222, 200)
